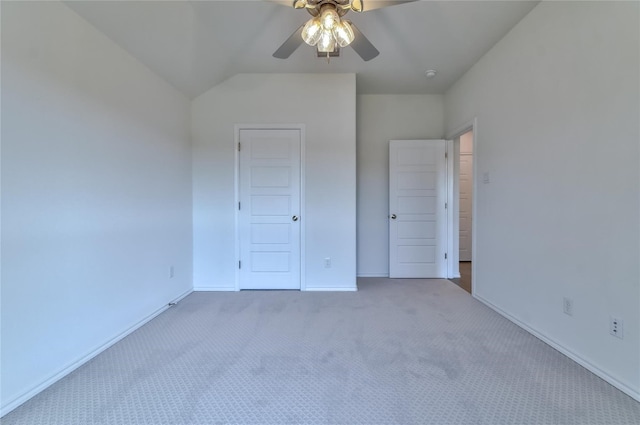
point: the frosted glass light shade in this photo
(327, 43)
(312, 31)
(343, 33)
(329, 18)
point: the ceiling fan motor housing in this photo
(314, 7)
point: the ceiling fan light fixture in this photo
(329, 17)
(343, 33)
(327, 43)
(328, 31)
(356, 5)
(299, 4)
(312, 31)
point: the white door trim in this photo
(452, 257)
(303, 215)
(471, 125)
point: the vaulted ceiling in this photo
(195, 45)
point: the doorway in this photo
(463, 147)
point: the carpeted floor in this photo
(395, 352)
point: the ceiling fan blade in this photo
(290, 45)
(366, 5)
(362, 45)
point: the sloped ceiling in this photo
(195, 45)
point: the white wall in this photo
(557, 102)
(325, 104)
(96, 201)
(382, 118)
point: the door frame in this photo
(454, 213)
(303, 215)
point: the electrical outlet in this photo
(486, 177)
(567, 306)
(327, 262)
(616, 327)
(171, 273)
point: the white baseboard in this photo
(214, 289)
(340, 289)
(573, 356)
(373, 275)
(82, 360)
(308, 289)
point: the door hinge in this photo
(239, 206)
(445, 255)
(446, 155)
(238, 146)
(445, 206)
(239, 264)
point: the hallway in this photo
(464, 281)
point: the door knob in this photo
(294, 218)
(393, 216)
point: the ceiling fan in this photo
(328, 31)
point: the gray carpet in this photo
(396, 352)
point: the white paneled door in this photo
(417, 212)
(269, 210)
